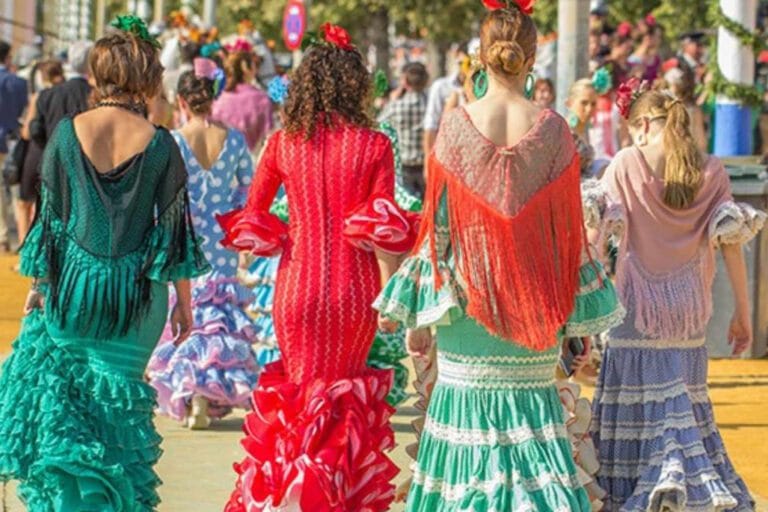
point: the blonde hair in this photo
(507, 40)
(579, 86)
(682, 171)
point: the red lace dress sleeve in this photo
(253, 228)
(379, 223)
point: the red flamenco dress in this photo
(316, 437)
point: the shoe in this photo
(5, 248)
(198, 418)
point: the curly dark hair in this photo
(328, 81)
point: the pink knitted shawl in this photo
(666, 259)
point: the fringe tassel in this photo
(521, 271)
(673, 306)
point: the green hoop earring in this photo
(480, 84)
(530, 84)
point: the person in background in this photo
(691, 54)
(242, 106)
(646, 56)
(544, 93)
(187, 52)
(406, 115)
(66, 99)
(13, 101)
(439, 93)
(582, 104)
(46, 74)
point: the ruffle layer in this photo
(658, 443)
(735, 223)
(317, 447)
(259, 233)
(494, 450)
(380, 224)
(597, 309)
(217, 361)
(75, 437)
(387, 353)
(410, 296)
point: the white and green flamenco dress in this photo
(494, 438)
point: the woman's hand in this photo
(244, 260)
(387, 325)
(418, 342)
(582, 360)
(740, 332)
(181, 322)
(35, 300)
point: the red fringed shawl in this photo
(515, 225)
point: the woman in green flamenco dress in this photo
(113, 230)
(504, 273)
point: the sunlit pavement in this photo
(197, 466)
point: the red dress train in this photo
(320, 425)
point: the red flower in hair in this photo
(493, 5)
(650, 20)
(525, 6)
(337, 36)
(627, 93)
(624, 29)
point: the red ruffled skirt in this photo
(317, 446)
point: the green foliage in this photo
(632, 10)
(678, 17)
(545, 16)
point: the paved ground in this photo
(196, 467)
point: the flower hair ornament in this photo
(602, 80)
(240, 45)
(627, 94)
(329, 35)
(277, 89)
(525, 6)
(206, 68)
(136, 26)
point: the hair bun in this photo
(506, 57)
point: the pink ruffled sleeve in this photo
(379, 223)
(253, 228)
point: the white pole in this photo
(733, 121)
(209, 12)
(572, 46)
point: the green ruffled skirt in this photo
(76, 417)
(494, 438)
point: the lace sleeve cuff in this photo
(735, 223)
(381, 224)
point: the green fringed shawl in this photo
(105, 236)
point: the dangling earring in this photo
(530, 84)
(480, 84)
(573, 120)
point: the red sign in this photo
(294, 24)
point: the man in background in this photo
(405, 113)
(441, 90)
(67, 99)
(13, 101)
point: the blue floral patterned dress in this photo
(217, 362)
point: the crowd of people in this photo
(203, 236)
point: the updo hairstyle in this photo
(507, 41)
(123, 65)
(197, 92)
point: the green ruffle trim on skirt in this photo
(387, 353)
(486, 450)
(410, 296)
(76, 438)
(597, 307)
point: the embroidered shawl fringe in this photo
(520, 271)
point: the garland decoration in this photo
(748, 95)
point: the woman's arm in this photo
(31, 113)
(740, 332)
(181, 317)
